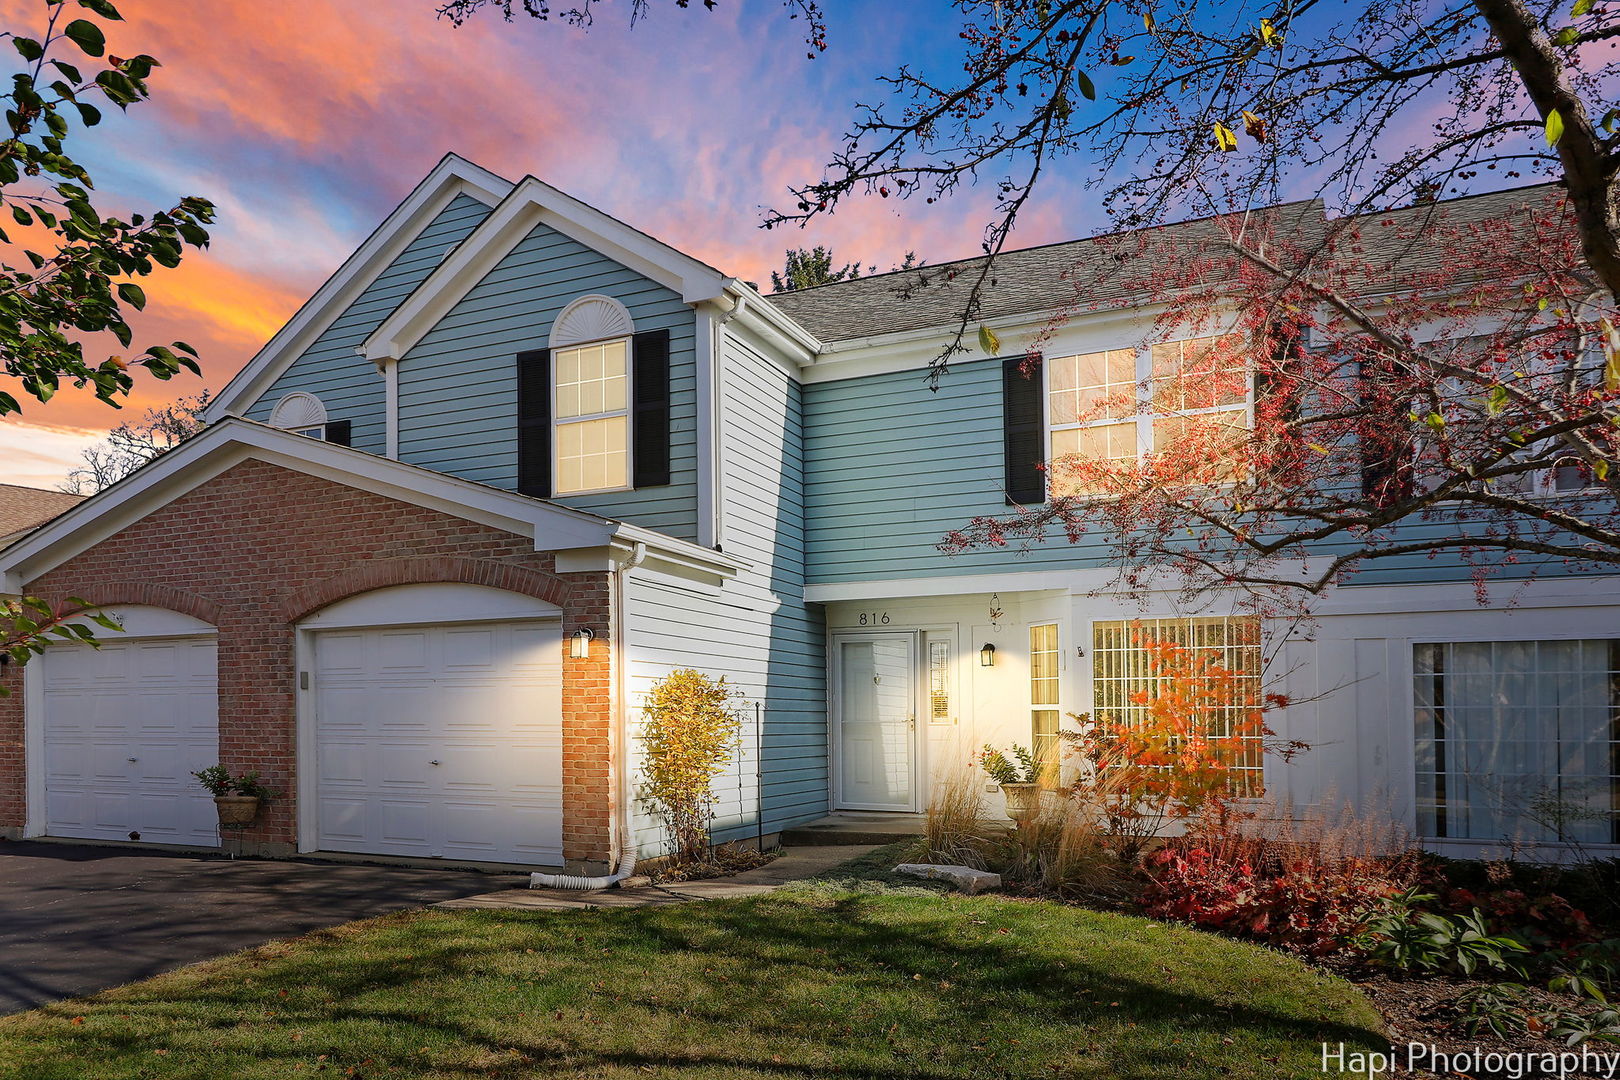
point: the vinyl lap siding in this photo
(349, 387)
(458, 386)
(891, 467)
(758, 632)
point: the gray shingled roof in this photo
(22, 508)
(1086, 272)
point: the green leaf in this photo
(104, 8)
(87, 36)
(88, 114)
(1555, 127)
(988, 341)
(1088, 89)
(132, 294)
(21, 215)
(28, 48)
(1581, 8)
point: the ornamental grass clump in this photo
(690, 731)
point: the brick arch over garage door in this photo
(255, 548)
(383, 573)
(151, 594)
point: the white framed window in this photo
(591, 417)
(939, 679)
(1128, 404)
(1517, 740)
(1044, 686)
(1124, 680)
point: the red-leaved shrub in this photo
(1296, 896)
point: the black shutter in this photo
(1023, 406)
(338, 431)
(1388, 473)
(534, 423)
(649, 409)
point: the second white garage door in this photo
(441, 741)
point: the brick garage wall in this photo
(259, 547)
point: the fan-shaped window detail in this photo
(591, 318)
(301, 414)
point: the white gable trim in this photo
(232, 441)
(533, 202)
(452, 177)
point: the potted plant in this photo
(1017, 773)
(236, 798)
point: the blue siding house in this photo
(769, 478)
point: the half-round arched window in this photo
(300, 413)
(591, 318)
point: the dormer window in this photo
(592, 417)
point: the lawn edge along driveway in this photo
(828, 978)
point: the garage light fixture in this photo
(579, 644)
(987, 656)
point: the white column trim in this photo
(390, 374)
(706, 348)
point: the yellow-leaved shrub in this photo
(690, 731)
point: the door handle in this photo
(435, 763)
(133, 760)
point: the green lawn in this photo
(816, 981)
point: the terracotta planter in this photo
(237, 809)
(1023, 800)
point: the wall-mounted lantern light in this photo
(987, 656)
(579, 644)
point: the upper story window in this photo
(592, 417)
(1122, 405)
(591, 359)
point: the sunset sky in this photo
(306, 121)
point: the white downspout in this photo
(621, 739)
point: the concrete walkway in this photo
(795, 864)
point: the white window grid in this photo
(1120, 670)
(564, 416)
(1143, 413)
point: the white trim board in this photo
(531, 203)
(231, 441)
(451, 177)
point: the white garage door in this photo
(124, 728)
(443, 741)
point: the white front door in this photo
(125, 726)
(441, 741)
(877, 721)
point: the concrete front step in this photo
(851, 827)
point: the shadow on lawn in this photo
(591, 990)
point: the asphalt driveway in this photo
(74, 920)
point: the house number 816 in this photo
(874, 618)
